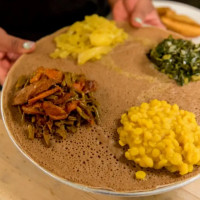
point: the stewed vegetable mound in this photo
(55, 103)
(160, 135)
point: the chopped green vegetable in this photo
(82, 113)
(61, 131)
(31, 132)
(67, 81)
(72, 118)
(72, 129)
(33, 119)
(178, 58)
(21, 82)
(46, 137)
(97, 116)
(52, 97)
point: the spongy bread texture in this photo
(125, 77)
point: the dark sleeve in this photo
(34, 19)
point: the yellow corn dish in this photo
(140, 175)
(88, 39)
(160, 135)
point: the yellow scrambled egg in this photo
(88, 39)
(161, 135)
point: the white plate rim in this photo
(171, 4)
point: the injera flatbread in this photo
(126, 78)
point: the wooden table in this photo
(21, 180)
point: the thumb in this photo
(153, 19)
(141, 10)
(9, 43)
(119, 11)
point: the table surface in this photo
(21, 180)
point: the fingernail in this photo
(138, 20)
(28, 45)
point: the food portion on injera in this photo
(125, 77)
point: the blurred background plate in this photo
(182, 8)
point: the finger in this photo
(13, 44)
(5, 64)
(119, 11)
(13, 56)
(2, 54)
(3, 73)
(154, 20)
(141, 10)
(129, 5)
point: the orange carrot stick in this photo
(33, 109)
(63, 99)
(44, 94)
(71, 106)
(53, 111)
(54, 74)
(50, 73)
(38, 75)
(79, 86)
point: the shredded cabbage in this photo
(88, 39)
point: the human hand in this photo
(10, 49)
(139, 13)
